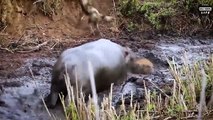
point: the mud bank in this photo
(177, 50)
(21, 93)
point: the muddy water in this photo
(20, 95)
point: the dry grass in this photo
(49, 7)
(192, 85)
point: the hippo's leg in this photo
(51, 100)
(53, 97)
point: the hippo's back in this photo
(101, 52)
(106, 57)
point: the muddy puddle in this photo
(21, 92)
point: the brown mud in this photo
(25, 78)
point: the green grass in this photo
(163, 14)
(154, 11)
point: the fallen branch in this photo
(3, 29)
(37, 1)
(6, 49)
(31, 49)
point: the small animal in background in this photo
(110, 64)
(143, 65)
(95, 17)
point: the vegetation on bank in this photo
(190, 97)
(168, 15)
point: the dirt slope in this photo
(22, 16)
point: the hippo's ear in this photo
(127, 51)
(128, 55)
